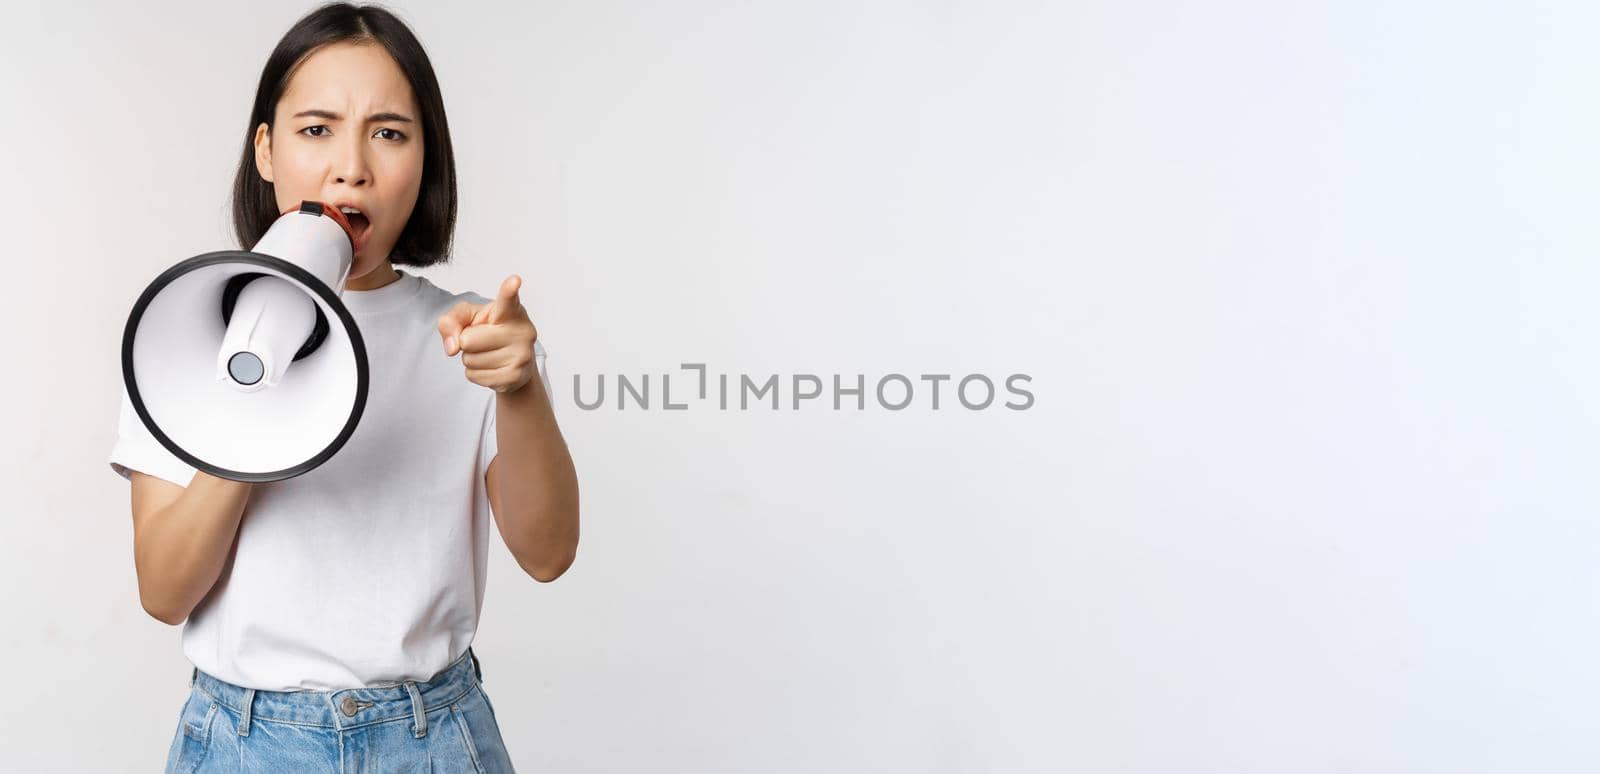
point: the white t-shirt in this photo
(370, 568)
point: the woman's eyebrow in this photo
(332, 116)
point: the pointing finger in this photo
(506, 301)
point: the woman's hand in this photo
(495, 340)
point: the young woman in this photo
(329, 616)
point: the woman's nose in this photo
(351, 174)
(352, 167)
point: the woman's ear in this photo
(263, 143)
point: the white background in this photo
(1307, 293)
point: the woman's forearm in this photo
(533, 484)
(179, 550)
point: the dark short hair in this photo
(427, 236)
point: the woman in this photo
(329, 616)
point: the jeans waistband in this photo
(347, 708)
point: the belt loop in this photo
(194, 676)
(244, 712)
(417, 711)
(477, 666)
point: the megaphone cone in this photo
(245, 364)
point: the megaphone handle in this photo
(230, 296)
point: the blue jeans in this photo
(444, 725)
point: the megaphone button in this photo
(245, 368)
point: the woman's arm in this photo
(532, 484)
(181, 539)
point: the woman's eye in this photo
(322, 131)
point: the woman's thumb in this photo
(451, 324)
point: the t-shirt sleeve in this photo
(490, 446)
(137, 449)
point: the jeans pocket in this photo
(480, 732)
(193, 737)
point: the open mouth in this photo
(359, 223)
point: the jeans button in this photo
(348, 705)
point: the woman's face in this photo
(347, 132)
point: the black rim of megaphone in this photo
(300, 275)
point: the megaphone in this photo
(245, 364)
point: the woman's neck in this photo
(374, 279)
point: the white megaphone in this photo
(246, 365)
